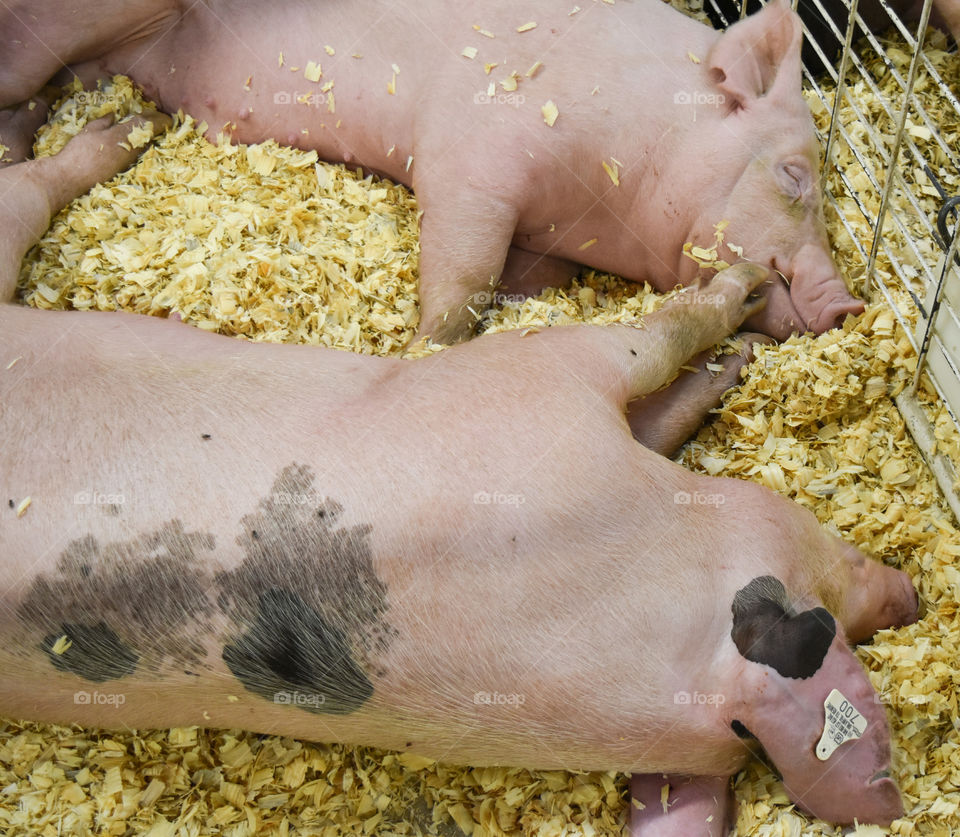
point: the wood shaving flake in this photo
(550, 112)
(313, 71)
(526, 27)
(469, 52)
(62, 645)
(486, 33)
(613, 172)
(23, 505)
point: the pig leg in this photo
(39, 39)
(19, 125)
(695, 806)
(43, 187)
(622, 363)
(527, 274)
(464, 239)
(664, 420)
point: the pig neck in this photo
(669, 173)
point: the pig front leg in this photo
(619, 363)
(19, 125)
(465, 234)
(528, 274)
(43, 187)
(628, 363)
(946, 15)
(680, 806)
(664, 420)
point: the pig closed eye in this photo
(794, 180)
(766, 631)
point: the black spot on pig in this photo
(206, 437)
(766, 630)
(94, 652)
(309, 608)
(633, 352)
(291, 654)
(740, 730)
(150, 591)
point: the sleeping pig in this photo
(534, 134)
(441, 556)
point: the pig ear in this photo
(753, 55)
(789, 678)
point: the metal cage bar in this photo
(903, 231)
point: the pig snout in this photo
(818, 291)
(878, 802)
(877, 597)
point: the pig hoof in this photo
(97, 153)
(19, 125)
(728, 299)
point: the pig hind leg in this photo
(464, 238)
(694, 805)
(19, 125)
(664, 420)
(528, 274)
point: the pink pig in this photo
(488, 590)
(695, 126)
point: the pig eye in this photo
(793, 179)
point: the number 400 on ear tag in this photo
(841, 722)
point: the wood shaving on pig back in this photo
(264, 243)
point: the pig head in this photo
(834, 759)
(759, 169)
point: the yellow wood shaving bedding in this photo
(265, 244)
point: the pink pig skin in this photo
(702, 126)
